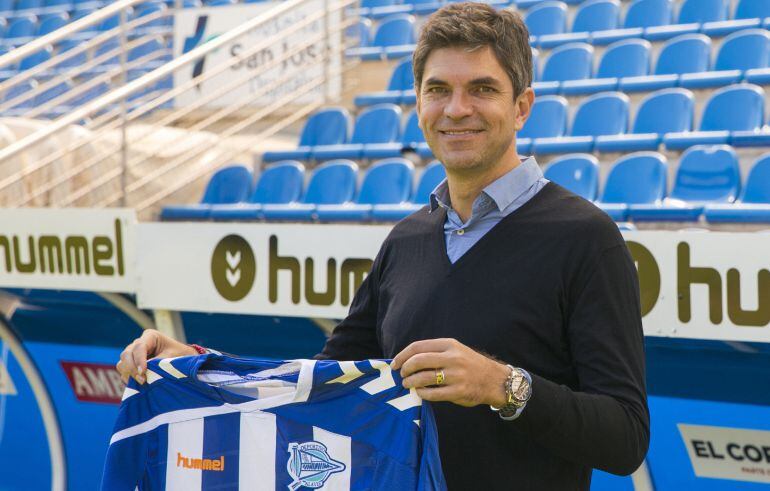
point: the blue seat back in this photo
(665, 111)
(743, 50)
(280, 183)
(145, 50)
(703, 11)
(548, 118)
(596, 15)
(388, 181)
(110, 23)
(330, 126)
(412, 132)
(19, 90)
(6, 5)
(578, 172)
(367, 4)
(332, 183)
(688, 53)
(362, 31)
(628, 58)
(707, 173)
(648, 13)
(605, 113)
(28, 4)
(21, 27)
(395, 31)
(571, 61)
(228, 185)
(636, 178)
(403, 76)
(152, 9)
(546, 18)
(51, 23)
(750, 9)
(738, 107)
(52, 93)
(35, 59)
(378, 124)
(431, 177)
(757, 188)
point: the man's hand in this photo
(470, 378)
(152, 344)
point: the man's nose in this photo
(459, 105)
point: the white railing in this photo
(113, 156)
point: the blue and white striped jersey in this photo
(217, 422)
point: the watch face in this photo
(522, 392)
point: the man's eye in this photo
(436, 90)
(484, 88)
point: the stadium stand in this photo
(577, 172)
(546, 18)
(431, 177)
(375, 125)
(331, 126)
(627, 58)
(740, 51)
(400, 88)
(754, 202)
(633, 179)
(571, 61)
(394, 38)
(232, 184)
(548, 119)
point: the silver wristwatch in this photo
(518, 390)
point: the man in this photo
(507, 292)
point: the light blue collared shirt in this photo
(496, 201)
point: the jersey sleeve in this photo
(431, 476)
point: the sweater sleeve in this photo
(605, 422)
(355, 337)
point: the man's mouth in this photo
(459, 132)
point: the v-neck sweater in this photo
(552, 289)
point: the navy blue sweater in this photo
(552, 289)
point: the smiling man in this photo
(508, 301)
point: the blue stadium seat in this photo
(431, 177)
(395, 38)
(740, 51)
(571, 61)
(22, 5)
(688, 53)
(748, 14)
(35, 59)
(577, 172)
(280, 183)
(424, 7)
(375, 9)
(412, 139)
(329, 126)
(641, 14)
(387, 181)
(548, 118)
(605, 113)
(60, 5)
(400, 88)
(691, 16)
(627, 58)
(20, 30)
(548, 17)
(636, 178)
(51, 93)
(159, 24)
(360, 31)
(18, 94)
(228, 185)
(149, 55)
(664, 111)
(591, 15)
(51, 23)
(754, 203)
(706, 174)
(376, 124)
(739, 107)
(6, 6)
(332, 183)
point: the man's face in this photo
(467, 110)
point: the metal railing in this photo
(110, 150)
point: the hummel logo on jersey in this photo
(310, 465)
(203, 464)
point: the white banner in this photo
(728, 453)
(267, 269)
(705, 285)
(68, 249)
(193, 27)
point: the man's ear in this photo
(524, 107)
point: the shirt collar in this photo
(503, 191)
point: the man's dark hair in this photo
(475, 25)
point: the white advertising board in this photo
(267, 269)
(693, 284)
(728, 453)
(193, 27)
(68, 249)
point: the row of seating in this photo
(682, 62)
(732, 115)
(595, 23)
(598, 21)
(385, 193)
(707, 184)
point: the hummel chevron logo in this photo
(233, 268)
(233, 274)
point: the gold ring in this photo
(440, 377)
